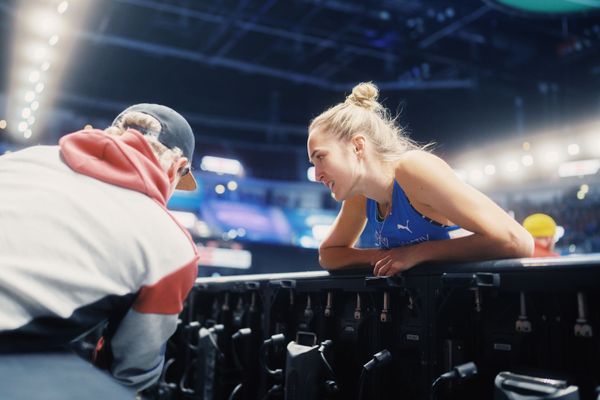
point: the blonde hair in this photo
(362, 113)
(150, 127)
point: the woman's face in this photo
(335, 163)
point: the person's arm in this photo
(336, 250)
(430, 181)
(136, 350)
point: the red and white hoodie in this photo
(85, 237)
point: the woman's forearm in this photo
(341, 257)
(476, 247)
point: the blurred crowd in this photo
(580, 219)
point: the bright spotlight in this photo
(489, 169)
(26, 113)
(31, 120)
(527, 160)
(29, 96)
(512, 166)
(232, 185)
(45, 66)
(551, 156)
(592, 143)
(526, 146)
(220, 189)
(579, 168)
(34, 105)
(39, 88)
(221, 165)
(573, 149)
(62, 7)
(584, 188)
(27, 134)
(34, 76)
(580, 195)
(43, 23)
(3, 124)
(53, 40)
(310, 174)
(36, 52)
(22, 127)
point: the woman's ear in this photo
(358, 141)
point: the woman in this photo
(413, 197)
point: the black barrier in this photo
(441, 331)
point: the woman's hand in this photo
(396, 260)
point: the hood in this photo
(126, 161)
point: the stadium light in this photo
(578, 168)
(62, 7)
(219, 189)
(36, 52)
(573, 149)
(34, 76)
(512, 166)
(221, 165)
(53, 40)
(43, 22)
(232, 185)
(551, 157)
(592, 142)
(310, 174)
(527, 160)
(489, 169)
(42, 37)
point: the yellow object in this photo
(540, 225)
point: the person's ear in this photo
(176, 167)
(358, 141)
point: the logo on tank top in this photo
(404, 227)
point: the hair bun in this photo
(364, 95)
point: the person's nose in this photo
(319, 176)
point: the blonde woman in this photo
(416, 202)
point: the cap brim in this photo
(187, 182)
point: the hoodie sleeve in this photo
(138, 348)
(139, 342)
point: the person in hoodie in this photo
(86, 240)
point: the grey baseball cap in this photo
(175, 132)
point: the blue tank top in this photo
(404, 225)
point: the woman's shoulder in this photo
(414, 161)
(418, 168)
